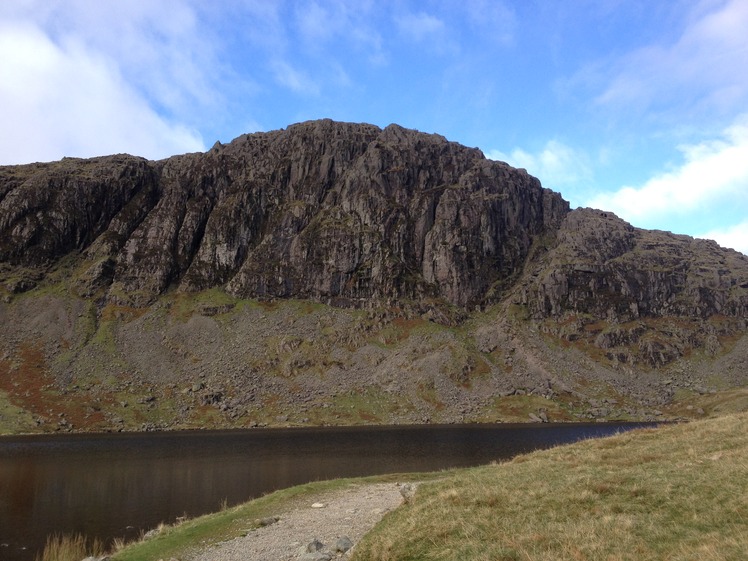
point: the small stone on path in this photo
(314, 552)
(315, 545)
(343, 544)
(316, 556)
(407, 491)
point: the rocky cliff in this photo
(102, 260)
(321, 210)
(602, 266)
(639, 296)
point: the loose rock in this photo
(343, 544)
(407, 491)
(314, 545)
(316, 556)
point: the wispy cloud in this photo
(160, 48)
(419, 26)
(427, 30)
(294, 79)
(495, 20)
(556, 164)
(320, 23)
(316, 22)
(697, 71)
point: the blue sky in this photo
(637, 107)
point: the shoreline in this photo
(373, 426)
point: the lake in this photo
(115, 485)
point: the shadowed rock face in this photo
(348, 213)
(321, 210)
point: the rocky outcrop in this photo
(322, 210)
(603, 267)
(50, 210)
(349, 213)
(632, 297)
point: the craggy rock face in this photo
(349, 213)
(321, 210)
(604, 267)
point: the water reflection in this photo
(115, 485)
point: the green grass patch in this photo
(14, 419)
(517, 409)
(370, 406)
(676, 492)
(398, 329)
(183, 305)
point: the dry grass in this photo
(673, 493)
(69, 548)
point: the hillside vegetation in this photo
(677, 492)
(339, 273)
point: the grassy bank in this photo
(672, 493)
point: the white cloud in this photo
(735, 237)
(697, 72)
(495, 20)
(315, 22)
(420, 26)
(162, 49)
(712, 170)
(66, 99)
(556, 165)
(294, 79)
(321, 23)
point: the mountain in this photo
(342, 273)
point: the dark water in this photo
(115, 485)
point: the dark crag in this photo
(321, 210)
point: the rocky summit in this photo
(337, 273)
(323, 210)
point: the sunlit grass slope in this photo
(677, 492)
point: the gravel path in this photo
(350, 512)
